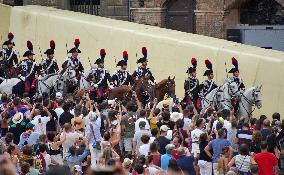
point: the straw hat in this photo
(78, 121)
(175, 116)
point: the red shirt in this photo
(266, 161)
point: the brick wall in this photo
(149, 16)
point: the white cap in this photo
(164, 128)
(58, 95)
(78, 168)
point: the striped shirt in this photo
(244, 137)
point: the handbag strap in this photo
(92, 129)
(242, 163)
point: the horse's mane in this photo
(161, 83)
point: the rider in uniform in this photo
(122, 76)
(28, 69)
(191, 85)
(208, 85)
(9, 58)
(143, 70)
(73, 61)
(238, 80)
(99, 78)
(49, 65)
(235, 77)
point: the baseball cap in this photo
(142, 124)
(78, 168)
(58, 95)
(164, 128)
(127, 162)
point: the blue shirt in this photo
(217, 145)
(77, 160)
(165, 161)
(186, 164)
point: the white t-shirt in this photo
(227, 124)
(195, 134)
(152, 139)
(71, 137)
(187, 122)
(147, 126)
(47, 159)
(40, 127)
(144, 149)
(58, 111)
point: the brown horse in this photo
(144, 89)
(166, 86)
(121, 93)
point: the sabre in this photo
(66, 49)
(226, 69)
(90, 63)
(115, 61)
(40, 52)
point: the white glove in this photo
(111, 86)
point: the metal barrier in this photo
(85, 6)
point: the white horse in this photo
(249, 98)
(215, 97)
(230, 89)
(83, 83)
(7, 85)
(46, 83)
(69, 75)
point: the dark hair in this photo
(145, 139)
(131, 106)
(203, 137)
(254, 169)
(262, 118)
(112, 114)
(45, 102)
(253, 121)
(77, 110)
(173, 165)
(179, 139)
(85, 111)
(25, 168)
(11, 148)
(199, 122)
(245, 125)
(73, 150)
(166, 115)
(9, 137)
(244, 149)
(221, 133)
(142, 113)
(16, 101)
(142, 159)
(256, 137)
(58, 169)
(234, 123)
(157, 111)
(154, 132)
(225, 114)
(107, 136)
(175, 109)
(276, 116)
(263, 145)
(27, 150)
(4, 98)
(209, 112)
(42, 148)
(60, 102)
(179, 123)
(66, 107)
(139, 168)
(154, 147)
(271, 142)
(30, 161)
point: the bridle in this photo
(251, 102)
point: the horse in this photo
(214, 97)
(45, 83)
(249, 98)
(144, 90)
(166, 86)
(66, 79)
(230, 90)
(7, 84)
(83, 83)
(121, 93)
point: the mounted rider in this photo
(143, 70)
(191, 85)
(99, 78)
(238, 80)
(74, 61)
(49, 65)
(9, 58)
(28, 69)
(235, 71)
(208, 85)
(122, 76)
